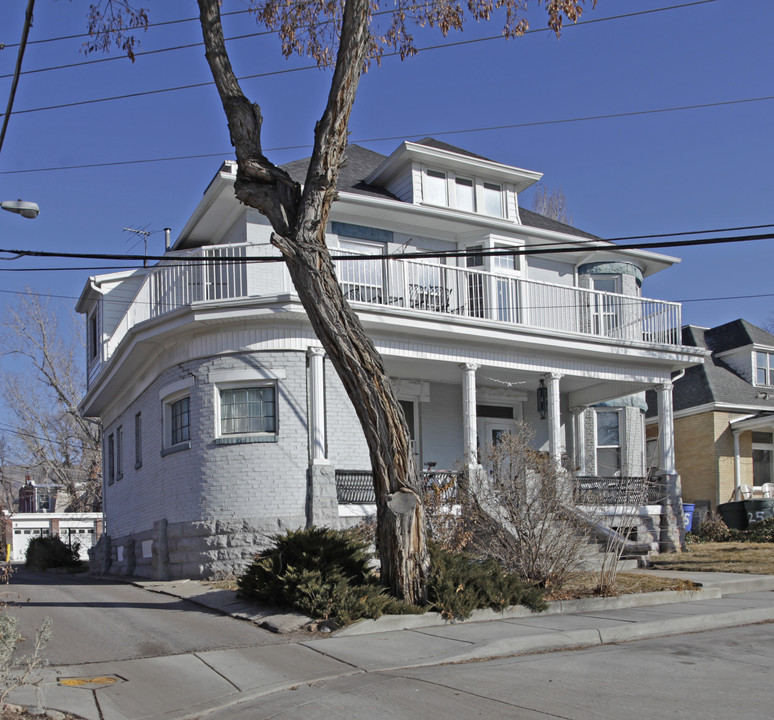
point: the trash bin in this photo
(734, 515)
(760, 509)
(688, 509)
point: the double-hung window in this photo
(608, 442)
(180, 420)
(764, 368)
(110, 451)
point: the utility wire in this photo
(487, 128)
(303, 68)
(263, 33)
(17, 71)
(581, 245)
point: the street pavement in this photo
(233, 680)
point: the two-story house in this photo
(225, 423)
(724, 415)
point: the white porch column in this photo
(555, 444)
(579, 439)
(470, 439)
(317, 405)
(666, 427)
(737, 467)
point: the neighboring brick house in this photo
(225, 423)
(724, 413)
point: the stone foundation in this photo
(171, 551)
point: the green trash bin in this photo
(760, 509)
(734, 514)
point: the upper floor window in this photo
(435, 187)
(465, 195)
(764, 368)
(462, 193)
(92, 342)
(493, 199)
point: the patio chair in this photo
(746, 492)
(768, 490)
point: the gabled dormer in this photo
(434, 174)
(747, 349)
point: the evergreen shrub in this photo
(48, 551)
(460, 583)
(323, 573)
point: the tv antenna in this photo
(144, 235)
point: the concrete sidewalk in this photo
(189, 686)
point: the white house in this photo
(224, 422)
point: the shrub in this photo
(460, 583)
(712, 529)
(321, 572)
(48, 551)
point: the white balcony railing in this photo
(225, 273)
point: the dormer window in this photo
(466, 194)
(493, 200)
(435, 187)
(462, 193)
(764, 368)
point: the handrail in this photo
(416, 285)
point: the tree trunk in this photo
(299, 221)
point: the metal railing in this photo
(469, 292)
(357, 486)
(627, 490)
(218, 273)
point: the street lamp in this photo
(21, 207)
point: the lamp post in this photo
(21, 207)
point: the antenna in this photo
(144, 234)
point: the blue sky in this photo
(660, 172)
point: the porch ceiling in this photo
(582, 390)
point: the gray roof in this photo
(716, 381)
(360, 162)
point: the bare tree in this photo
(552, 204)
(42, 395)
(342, 34)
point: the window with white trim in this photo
(469, 194)
(93, 337)
(493, 199)
(465, 194)
(110, 451)
(248, 410)
(119, 452)
(435, 187)
(177, 423)
(180, 420)
(138, 440)
(764, 368)
(608, 442)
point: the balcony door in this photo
(361, 280)
(605, 313)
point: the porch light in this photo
(542, 400)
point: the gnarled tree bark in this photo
(299, 217)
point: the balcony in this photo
(229, 272)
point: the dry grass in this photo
(756, 558)
(584, 585)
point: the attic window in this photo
(435, 187)
(764, 368)
(493, 199)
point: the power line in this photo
(17, 70)
(263, 33)
(302, 68)
(487, 128)
(583, 245)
